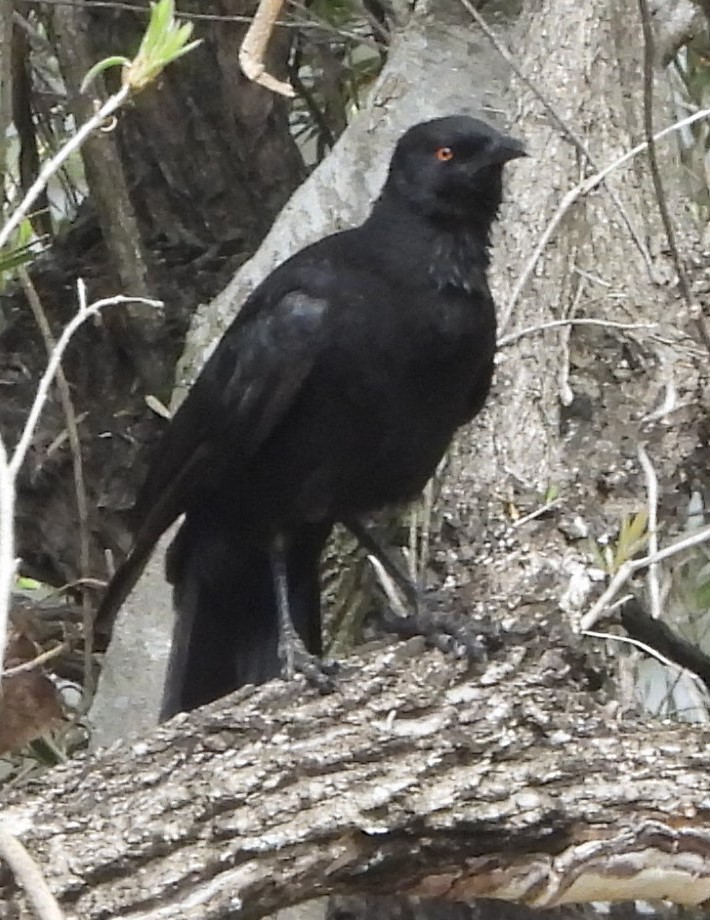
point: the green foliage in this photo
(632, 539)
(690, 596)
(552, 493)
(164, 41)
(19, 251)
(332, 70)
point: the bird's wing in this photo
(244, 389)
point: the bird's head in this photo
(451, 168)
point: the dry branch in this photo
(413, 778)
(251, 54)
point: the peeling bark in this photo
(413, 778)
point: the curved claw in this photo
(441, 632)
(317, 672)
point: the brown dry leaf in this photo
(29, 701)
(19, 649)
(29, 708)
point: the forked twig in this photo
(583, 188)
(649, 54)
(9, 467)
(562, 124)
(627, 569)
(253, 48)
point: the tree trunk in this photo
(413, 778)
(569, 407)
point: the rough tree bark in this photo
(413, 778)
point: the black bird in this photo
(335, 392)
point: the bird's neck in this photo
(451, 252)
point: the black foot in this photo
(298, 660)
(295, 657)
(472, 640)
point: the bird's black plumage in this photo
(334, 392)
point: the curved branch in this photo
(413, 778)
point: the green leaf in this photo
(22, 249)
(13, 258)
(28, 584)
(98, 68)
(165, 40)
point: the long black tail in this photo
(226, 624)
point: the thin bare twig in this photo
(82, 505)
(50, 167)
(565, 388)
(538, 512)
(555, 323)
(563, 126)
(6, 19)
(64, 435)
(652, 576)
(678, 669)
(583, 188)
(98, 583)
(298, 23)
(388, 586)
(30, 876)
(649, 649)
(649, 53)
(7, 544)
(9, 468)
(627, 569)
(37, 662)
(45, 383)
(253, 48)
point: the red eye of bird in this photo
(444, 154)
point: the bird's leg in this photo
(370, 540)
(441, 631)
(294, 655)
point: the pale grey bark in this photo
(128, 697)
(413, 778)
(677, 23)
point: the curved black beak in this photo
(509, 148)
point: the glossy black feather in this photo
(335, 392)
